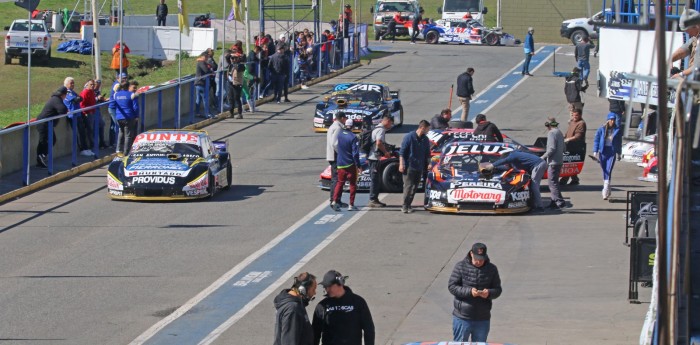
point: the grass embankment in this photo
(45, 79)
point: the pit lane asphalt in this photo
(78, 268)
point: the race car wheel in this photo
(432, 37)
(577, 36)
(392, 180)
(212, 185)
(229, 176)
(492, 39)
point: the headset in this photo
(302, 283)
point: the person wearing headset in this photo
(343, 317)
(292, 326)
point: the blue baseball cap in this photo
(122, 75)
(612, 116)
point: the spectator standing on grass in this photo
(120, 50)
(607, 145)
(554, 155)
(487, 128)
(161, 13)
(575, 140)
(87, 118)
(465, 90)
(414, 158)
(127, 115)
(347, 161)
(474, 283)
(53, 107)
(529, 49)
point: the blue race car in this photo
(170, 165)
(465, 32)
(362, 102)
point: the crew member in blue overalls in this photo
(607, 146)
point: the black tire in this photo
(392, 179)
(212, 185)
(493, 39)
(432, 37)
(229, 176)
(578, 35)
(8, 59)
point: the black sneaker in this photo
(286, 100)
(42, 160)
(376, 204)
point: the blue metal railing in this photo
(630, 10)
(340, 53)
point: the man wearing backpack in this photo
(376, 151)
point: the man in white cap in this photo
(348, 161)
(529, 48)
(691, 17)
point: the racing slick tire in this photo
(212, 186)
(577, 36)
(229, 176)
(392, 179)
(492, 39)
(432, 37)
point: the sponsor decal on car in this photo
(572, 158)
(113, 183)
(116, 192)
(570, 169)
(520, 196)
(155, 164)
(359, 87)
(318, 120)
(158, 173)
(475, 195)
(484, 184)
(167, 137)
(469, 136)
(517, 204)
(437, 204)
(153, 179)
(435, 195)
(477, 149)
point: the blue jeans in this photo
(526, 64)
(585, 68)
(462, 329)
(199, 99)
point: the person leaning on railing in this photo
(53, 107)
(127, 106)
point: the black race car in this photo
(362, 102)
(170, 165)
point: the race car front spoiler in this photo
(455, 209)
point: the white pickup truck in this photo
(17, 43)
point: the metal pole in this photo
(179, 80)
(666, 296)
(29, 93)
(96, 40)
(247, 27)
(121, 36)
(498, 13)
(225, 20)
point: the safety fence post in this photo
(74, 153)
(25, 156)
(193, 100)
(95, 133)
(178, 112)
(160, 108)
(50, 155)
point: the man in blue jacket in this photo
(127, 113)
(348, 160)
(607, 144)
(414, 158)
(529, 48)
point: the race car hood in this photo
(156, 167)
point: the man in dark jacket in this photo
(292, 326)
(279, 68)
(487, 128)
(475, 283)
(347, 162)
(415, 25)
(617, 106)
(201, 75)
(465, 90)
(343, 316)
(54, 106)
(161, 13)
(414, 158)
(441, 121)
(573, 86)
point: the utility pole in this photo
(96, 40)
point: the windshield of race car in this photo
(365, 96)
(466, 163)
(165, 148)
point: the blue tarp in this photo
(76, 46)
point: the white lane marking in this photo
(284, 278)
(224, 278)
(498, 80)
(518, 83)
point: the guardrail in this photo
(159, 107)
